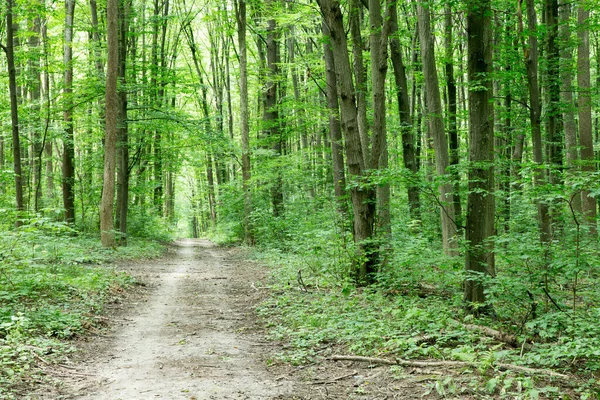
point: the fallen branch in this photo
(452, 364)
(333, 380)
(509, 339)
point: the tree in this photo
(436, 123)
(68, 156)
(14, 113)
(584, 101)
(112, 112)
(479, 260)
(244, 125)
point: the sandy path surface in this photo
(187, 340)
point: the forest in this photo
(421, 177)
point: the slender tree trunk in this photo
(531, 64)
(408, 139)
(335, 129)
(36, 128)
(68, 167)
(440, 143)
(584, 100)
(244, 123)
(553, 122)
(566, 73)
(272, 111)
(479, 260)
(122, 127)
(363, 196)
(360, 75)
(14, 114)
(112, 113)
(452, 126)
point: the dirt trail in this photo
(187, 341)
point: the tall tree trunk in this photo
(272, 111)
(36, 128)
(479, 260)
(584, 100)
(68, 157)
(378, 41)
(535, 109)
(553, 122)
(436, 123)
(566, 92)
(112, 113)
(244, 123)
(452, 127)
(335, 129)
(122, 127)
(360, 75)
(14, 114)
(408, 139)
(48, 143)
(363, 196)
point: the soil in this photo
(190, 331)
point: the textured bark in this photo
(406, 128)
(479, 260)
(452, 123)
(378, 40)
(535, 110)
(363, 197)
(552, 84)
(436, 123)
(35, 83)
(112, 112)
(14, 114)
(244, 123)
(584, 102)
(68, 157)
(335, 129)
(271, 116)
(360, 76)
(566, 75)
(122, 127)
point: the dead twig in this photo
(333, 380)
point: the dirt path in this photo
(186, 342)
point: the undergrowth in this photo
(416, 311)
(53, 284)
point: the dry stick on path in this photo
(450, 364)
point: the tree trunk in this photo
(68, 157)
(570, 126)
(363, 196)
(14, 114)
(552, 56)
(244, 123)
(535, 109)
(272, 112)
(584, 102)
(452, 127)
(122, 128)
(436, 123)
(479, 260)
(335, 129)
(36, 125)
(112, 113)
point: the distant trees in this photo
(272, 111)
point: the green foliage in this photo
(52, 285)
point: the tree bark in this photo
(68, 157)
(244, 123)
(535, 109)
(406, 128)
(112, 113)
(363, 196)
(335, 129)
(436, 123)
(272, 112)
(14, 113)
(584, 101)
(479, 260)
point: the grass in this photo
(53, 284)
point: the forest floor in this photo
(189, 330)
